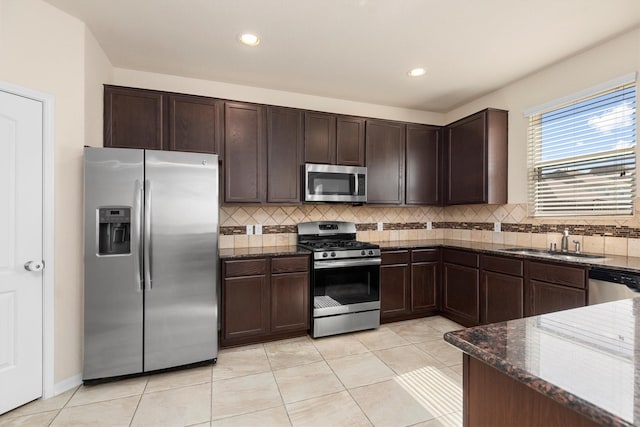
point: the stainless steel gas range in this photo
(345, 280)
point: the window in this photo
(582, 155)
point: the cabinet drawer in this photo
(395, 257)
(245, 267)
(503, 265)
(560, 274)
(424, 255)
(289, 264)
(453, 256)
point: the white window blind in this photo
(582, 156)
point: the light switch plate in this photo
(258, 228)
(497, 226)
(249, 230)
(429, 225)
(380, 226)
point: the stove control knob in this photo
(370, 252)
(363, 253)
(333, 254)
(324, 255)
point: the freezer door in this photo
(113, 295)
(181, 202)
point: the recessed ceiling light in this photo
(416, 72)
(249, 39)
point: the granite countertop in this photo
(587, 359)
(617, 262)
(262, 251)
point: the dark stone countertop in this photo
(586, 359)
(262, 251)
(616, 262)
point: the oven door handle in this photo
(338, 263)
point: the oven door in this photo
(346, 286)
(334, 183)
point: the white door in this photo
(20, 250)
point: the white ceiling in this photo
(358, 50)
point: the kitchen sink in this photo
(552, 254)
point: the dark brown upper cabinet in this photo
(476, 159)
(350, 141)
(134, 118)
(139, 118)
(284, 154)
(423, 159)
(331, 139)
(195, 124)
(385, 161)
(244, 151)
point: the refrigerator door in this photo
(181, 311)
(113, 295)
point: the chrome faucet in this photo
(564, 246)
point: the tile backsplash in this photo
(608, 235)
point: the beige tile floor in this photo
(402, 374)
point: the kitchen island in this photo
(569, 368)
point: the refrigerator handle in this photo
(137, 237)
(148, 284)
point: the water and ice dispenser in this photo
(114, 233)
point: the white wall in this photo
(44, 49)
(124, 77)
(98, 71)
(609, 60)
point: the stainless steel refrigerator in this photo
(150, 258)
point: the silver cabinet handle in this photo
(34, 265)
(137, 236)
(148, 283)
(319, 265)
(355, 176)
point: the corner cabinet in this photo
(264, 298)
(423, 160)
(385, 162)
(476, 159)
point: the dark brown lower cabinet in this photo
(501, 289)
(264, 299)
(554, 287)
(492, 398)
(461, 286)
(394, 284)
(409, 284)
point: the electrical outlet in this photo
(380, 226)
(249, 230)
(497, 226)
(258, 228)
(429, 225)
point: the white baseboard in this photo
(66, 384)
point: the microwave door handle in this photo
(355, 177)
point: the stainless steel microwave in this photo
(335, 183)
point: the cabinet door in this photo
(385, 162)
(133, 118)
(423, 165)
(502, 297)
(460, 289)
(424, 286)
(195, 124)
(246, 307)
(547, 297)
(319, 138)
(394, 291)
(243, 153)
(289, 302)
(466, 155)
(284, 154)
(350, 141)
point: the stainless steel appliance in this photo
(345, 280)
(150, 254)
(335, 183)
(611, 285)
